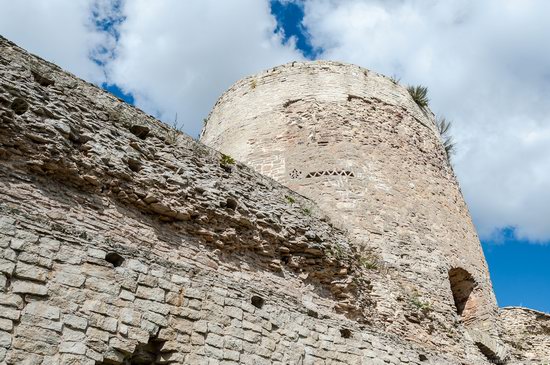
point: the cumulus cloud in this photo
(61, 31)
(485, 63)
(179, 56)
(486, 66)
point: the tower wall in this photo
(125, 242)
(357, 144)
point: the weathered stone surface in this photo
(40, 309)
(357, 144)
(527, 333)
(31, 272)
(114, 240)
(75, 321)
(28, 287)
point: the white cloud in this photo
(486, 65)
(61, 31)
(179, 56)
(485, 62)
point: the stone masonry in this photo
(124, 241)
(356, 143)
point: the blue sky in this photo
(519, 269)
(485, 64)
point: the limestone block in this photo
(148, 280)
(138, 334)
(23, 239)
(156, 318)
(7, 226)
(75, 321)
(124, 345)
(151, 327)
(145, 292)
(127, 295)
(27, 287)
(148, 305)
(40, 309)
(50, 243)
(34, 346)
(5, 339)
(96, 253)
(70, 279)
(4, 240)
(6, 266)
(10, 313)
(138, 266)
(102, 285)
(97, 334)
(31, 272)
(233, 312)
(35, 259)
(130, 316)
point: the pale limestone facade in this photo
(357, 144)
(125, 242)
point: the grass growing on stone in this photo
(420, 95)
(444, 127)
(420, 304)
(227, 160)
(290, 199)
(368, 263)
(336, 251)
(173, 132)
(395, 79)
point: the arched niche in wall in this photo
(463, 288)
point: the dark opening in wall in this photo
(488, 353)
(134, 165)
(257, 301)
(295, 174)
(329, 173)
(19, 106)
(41, 79)
(144, 354)
(231, 203)
(312, 313)
(114, 258)
(422, 357)
(462, 285)
(140, 131)
(345, 332)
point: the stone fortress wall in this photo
(526, 332)
(356, 143)
(125, 242)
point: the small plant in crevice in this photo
(174, 131)
(368, 263)
(290, 199)
(336, 251)
(306, 211)
(419, 94)
(253, 83)
(227, 160)
(421, 305)
(395, 79)
(444, 127)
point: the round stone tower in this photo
(357, 144)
